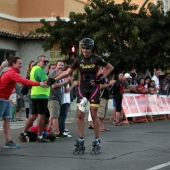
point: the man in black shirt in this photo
(89, 88)
(104, 99)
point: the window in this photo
(166, 5)
(4, 54)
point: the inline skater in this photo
(88, 89)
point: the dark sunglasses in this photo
(84, 48)
(45, 61)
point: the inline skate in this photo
(79, 147)
(95, 146)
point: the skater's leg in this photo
(80, 124)
(93, 111)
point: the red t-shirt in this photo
(143, 89)
(35, 129)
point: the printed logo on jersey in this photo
(87, 66)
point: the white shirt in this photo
(66, 96)
(156, 79)
(13, 99)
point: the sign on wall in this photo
(54, 56)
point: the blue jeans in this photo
(63, 116)
(5, 109)
(114, 102)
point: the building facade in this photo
(166, 3)
(19, 17)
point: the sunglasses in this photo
(84, 48)
(45, 61)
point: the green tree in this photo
(154, 33)
(123, 36)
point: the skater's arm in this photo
(64, 74)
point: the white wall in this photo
(8, 44)
(25, 49)
(30, 50)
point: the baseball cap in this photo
(127, 75)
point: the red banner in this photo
(141, 105)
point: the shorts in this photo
(20, 103)
(118, 99)
(54, 108)
(39, 106)
(103, 108)
(92, 93)
(5, 109)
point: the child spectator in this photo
(147, 81)
(152, 87)
(32, 133)
(141, 89)
(13, 101)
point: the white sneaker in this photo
(83, 104)
(65, 133)
(27, 139)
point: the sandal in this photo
(118, 124)
(107, 129)
(102, 130)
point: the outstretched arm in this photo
(64, 74)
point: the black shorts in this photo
(118, 99)
(39, 106)
(92, 93)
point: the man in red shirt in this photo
(7, 83)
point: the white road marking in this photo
(15, 125)
(18, 124)
(159, 166)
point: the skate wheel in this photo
(98, 149)
(79, 150)
(92, 151)
(75, 151)
(83, 149)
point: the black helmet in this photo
(87, 42)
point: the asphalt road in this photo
(139, 146)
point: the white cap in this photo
(127, 75)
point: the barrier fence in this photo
(145, 106)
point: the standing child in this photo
(13, 101)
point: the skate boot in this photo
(95, 146)
(79, 147)
(83, 104)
